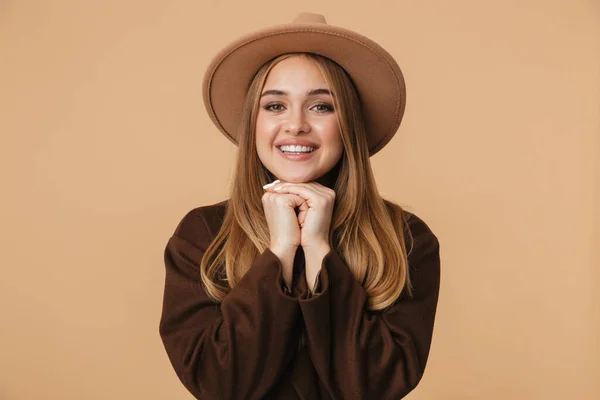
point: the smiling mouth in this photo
(297, 149)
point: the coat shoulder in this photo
(201, 224)
(416, 229)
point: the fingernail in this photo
(277, 188)
(268, 185)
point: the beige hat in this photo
(373, 70)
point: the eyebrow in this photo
(313, 92)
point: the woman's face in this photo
(296, 109)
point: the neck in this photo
(330, 177)
(326, 180)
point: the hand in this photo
(314, 218)
(284, 231)
(315, 212)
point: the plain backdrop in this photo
(105, 146)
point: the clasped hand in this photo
(308, 227)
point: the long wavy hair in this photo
(367, 231)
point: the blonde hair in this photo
(367, 234)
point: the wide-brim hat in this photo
(374, 72)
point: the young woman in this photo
(305, 283)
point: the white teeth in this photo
(296, 149)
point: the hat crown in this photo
(309, 18)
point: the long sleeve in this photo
(359, 354)
(239, 348)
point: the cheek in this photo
(265, 129)
(330, 135)
(263, 133)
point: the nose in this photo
(296, 123)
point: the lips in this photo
(296, 156)
(296, 149)
(298, 142)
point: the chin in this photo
(296, 178)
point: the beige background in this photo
(106, 145)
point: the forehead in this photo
(296, 71)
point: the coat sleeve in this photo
(236, 349)
(359, 354)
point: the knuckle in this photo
(280, 200)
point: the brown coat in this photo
(251, 345)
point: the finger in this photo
(313, 199)
(268, 185)
(275, 184)
(299, 203)
(302, 213)
(325, 191)
(288, 199)
(306, 192)
(317, 188)
(310, 198)
(293, 200)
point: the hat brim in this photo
(376, 75)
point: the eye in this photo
(324, 108)
(269, 107)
